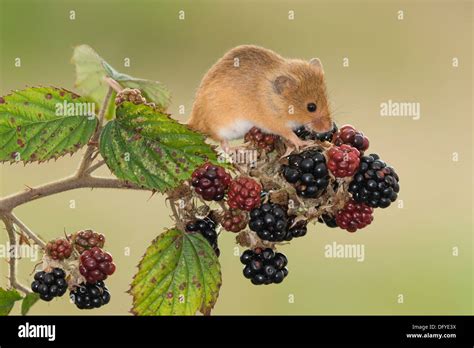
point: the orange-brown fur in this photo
(248, 92)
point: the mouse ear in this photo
(316, 63)
(282, 83)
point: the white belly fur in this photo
(236, 129)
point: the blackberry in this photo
(261, 140)
(264, 266)
(308, 172)
(299, 230)
(350, 136)
(50, 284)
(354, 216)
(307, 134)
(87, 239)
(234, 220)
(207, 228)
(244, 193)
(210, 182)
(89, 296)
(375, 183)
(330, 221)
(96, 265)
(270, 222)
(59, 249)
(343, 160)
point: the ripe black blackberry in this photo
(269, 221)
(306, 134)
(375, 183)
(88, 296)
(298, 230)
(329, 220)
(50, 284)
(206, 227)
(264, 266)
(308, 172)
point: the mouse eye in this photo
(311, 107)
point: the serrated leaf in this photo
(28, 302)
(7, 300)
(178, 275)
(40, 123)
(150, 149)
(91, 70)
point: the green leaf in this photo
(28, 302)
(40, 123)
(91, 70)
(179, 275)
(150, 149)
(7, 300)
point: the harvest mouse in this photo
(253, 86)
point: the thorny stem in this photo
(26, 230)
(87, 158)
(13, 261)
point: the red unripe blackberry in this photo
(96, 265)
(234, 220)
(343, 160)
(354, 216)
(87, 239)
(59, 249)
(260, 139)
(210, 182)
(350, 136)
(244, 193)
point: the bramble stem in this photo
(26, 230)
(13, 261)
(87, 158)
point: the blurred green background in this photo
(407, 250)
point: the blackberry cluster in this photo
(351, 136)
(96, 265)
(211, 182)
(87, 239)
(206, 227)
(50, 284)
(308, 172)
(343, 160)
(306, 134)
(264, 266)
(234, 220)
(260, 139)
(375, 183)
(244, 193)
(88, 296)
(354, 216)
(59, 249)
(269, 222)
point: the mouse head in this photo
(300, 92)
